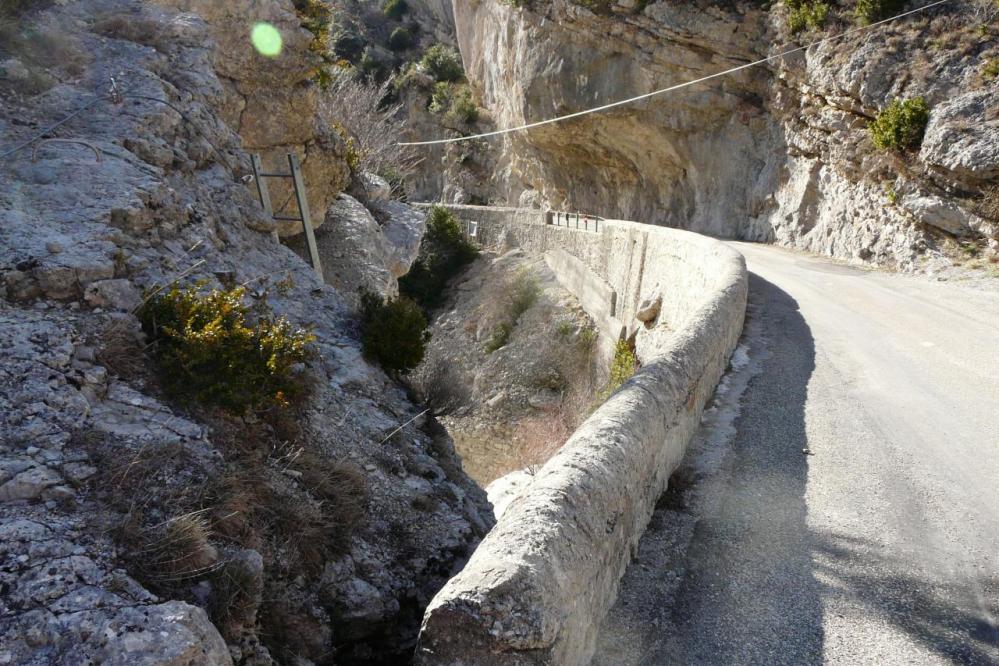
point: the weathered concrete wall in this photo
(538, 586)
(597, 297)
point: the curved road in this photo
(855, 519)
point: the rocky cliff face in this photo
(778, 152)
(313, 537)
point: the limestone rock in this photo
(272, 102)
(29, 484)
(376, 188)
(169, 634)
(649, 308)
(169, 200)
(942, 214)
(402, 227)
(14, 69)
(779, 153)
(114, 294)
(353, 250)
(963, 135)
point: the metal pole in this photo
(264, 194)
(303, 207)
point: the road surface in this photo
(855, 517)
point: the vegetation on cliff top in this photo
(443, 253)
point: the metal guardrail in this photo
(583, 221)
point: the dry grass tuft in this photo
(132, 28)
(177, 550)
(44, 55)
(120, 349)
(235, 597)
(234, 499)
(538, 438)
(440, 387)
(307, 535)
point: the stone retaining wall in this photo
(539, 585)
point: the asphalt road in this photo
(856, 517)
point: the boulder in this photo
(29, 484)
(648, 309)
(354, 252)
(402, 227)
(113, 294)
(963, 135)
(375, 187)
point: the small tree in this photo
(463, 108)
(443, 63)
(359, 108)
(395, 9)
(869, 11)
(400, 39)
(443, 253)
(393, 332)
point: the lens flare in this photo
(266, 39)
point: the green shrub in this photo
(456, 103)
(463, 108)
(443, 252)
(400, 39)
(520, 294)
(393, 332)
(443, 63)
(524, 292)
(870, 11)
(209, 351)
(990, 70)
(349, 44)
(806, 15)
(623, 366)
(900, 125)
(395, 9)
(441, 97)
(500, 336)
(316, 18)
(371, 66)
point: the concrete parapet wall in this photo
(596, 296)
(539, 585)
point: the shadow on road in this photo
(749, 595)
(955, 620)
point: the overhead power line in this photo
(678, 86)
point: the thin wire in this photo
(25, 144)
(104, 98)
(685, 84)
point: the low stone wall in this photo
(539, 585)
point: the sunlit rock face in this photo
(436, 17)
(692, 159)
(777, 152)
